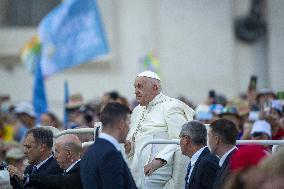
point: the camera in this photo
(3, 165)
(266, 106)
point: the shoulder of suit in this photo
(207, 155)
(54, 164)
(28, 168)
(211, 157)
(75, 168)
(209, 161)
(107, 146)
(52, 160)
(99, 150)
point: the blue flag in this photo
(71, 34)
(66, 99)
(39, 98)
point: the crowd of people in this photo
(207, 157)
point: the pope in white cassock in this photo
(156, 117)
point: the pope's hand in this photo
(153, 166)
(127, 146)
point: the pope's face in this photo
(144, 90)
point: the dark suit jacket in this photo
(204, 171)
(103, 167)
(223, 173)
(69, 180)
(49, 167)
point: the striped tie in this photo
(34, 169)
(26, 176)
(187, 176)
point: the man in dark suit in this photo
(68, 150)
(102, 166)
(203, 165)
(38, 149)
(222, 136)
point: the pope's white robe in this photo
(162, 118)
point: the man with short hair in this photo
(38, 149)
(103, 166)
(156, 117)
(222, 137)
(68, 150)
(203, 165)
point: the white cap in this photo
(261, 126)
(25, 107)
(15, 153)
(149, 74)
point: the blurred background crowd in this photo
(194, 46)
(258, 115)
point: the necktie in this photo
(187, 176)
(26, 176)
(34, 169)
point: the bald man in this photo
(68, 150)
(156, 117)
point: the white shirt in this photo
(221, 162)
(72, 165)
(194, 158)
(111, 139)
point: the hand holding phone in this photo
(266, 107)
(253, 83)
